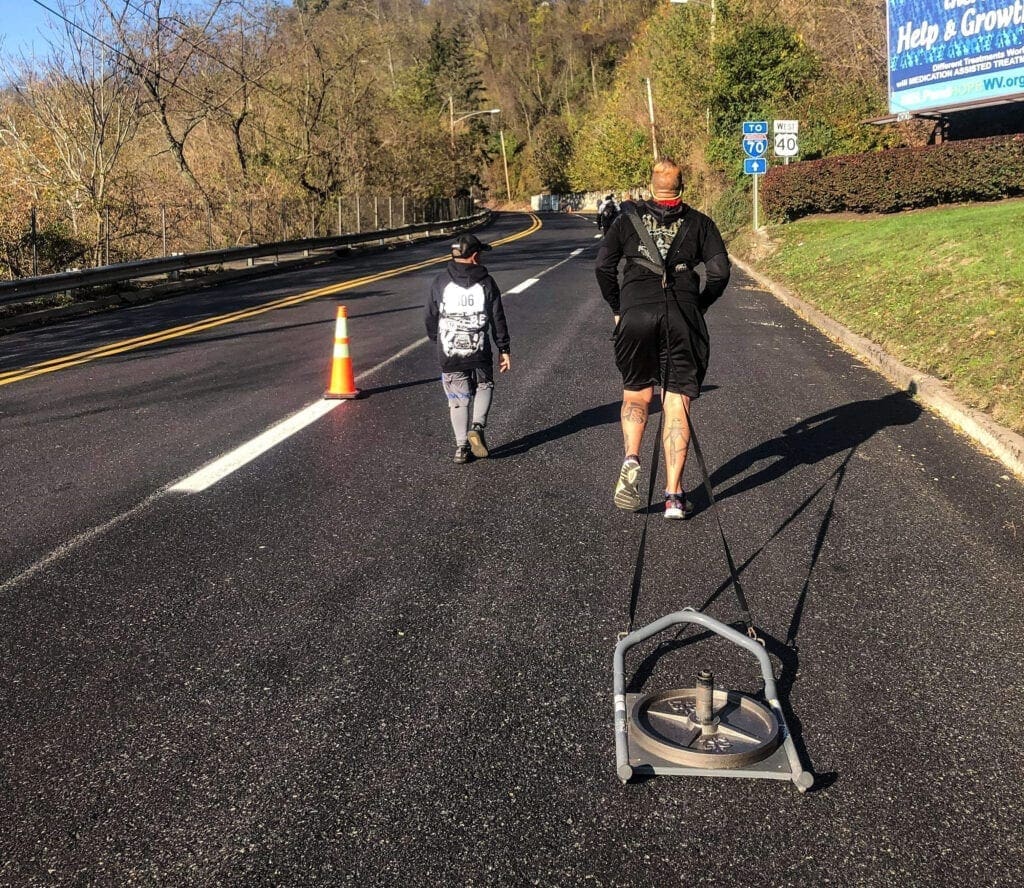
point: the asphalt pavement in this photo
(355, 662)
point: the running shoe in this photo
(477, 441)
(626, 495)
(462, 453)
(677, 506)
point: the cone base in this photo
(346, 396)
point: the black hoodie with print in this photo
(465, 304)
(703, 244)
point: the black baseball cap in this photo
(467, 245)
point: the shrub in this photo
(897, 179)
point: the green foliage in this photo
(940, 288)
(733, 209)
(610, 152)
(449, 71)
(761, 72)
(832, 119)
(903, 178)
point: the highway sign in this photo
(786, 126)
(755, 146)
(755, 127)
(755, 165)
(786, 145)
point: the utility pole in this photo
(504, 160)
(650, 109)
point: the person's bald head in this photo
(666, 180)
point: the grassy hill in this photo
(942, 289)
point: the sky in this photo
(20, 24)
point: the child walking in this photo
(464, 306)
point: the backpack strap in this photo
(658, 264)
(655, 263)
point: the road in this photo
(354, 662)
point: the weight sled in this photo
(702, 731)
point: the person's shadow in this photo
(814, 439)
(585, 419)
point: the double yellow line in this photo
(126, 345)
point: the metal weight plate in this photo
(665, 723)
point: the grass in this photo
(941, 289)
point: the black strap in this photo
(741, 599)
(658, 264)
(638, 566)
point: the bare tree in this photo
(85, 110)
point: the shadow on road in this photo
(381, 389)
(814, 439)
(585, 419)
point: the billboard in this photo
(945, 53)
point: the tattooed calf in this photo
(676, 439)
(634, 411)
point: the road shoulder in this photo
(1002, 443)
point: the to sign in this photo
(786, 145)
(755, 128)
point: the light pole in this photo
(452, 120)
(650, 110)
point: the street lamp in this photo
(454, 120)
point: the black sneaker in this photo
(462, 453)
(677, 506)
(477, 441)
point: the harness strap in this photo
(741, 598)
(657, 263)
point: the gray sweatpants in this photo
(469, 394)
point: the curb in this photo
(1002, 443)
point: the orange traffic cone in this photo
(343, 383)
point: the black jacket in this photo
(465, 303)
(703, 244)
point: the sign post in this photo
(755, 146)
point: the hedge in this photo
(897, 179)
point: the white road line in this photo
(399, 354)
(525, 285)
(240, 456)
(529, 282)
(230, 462)
(75, 542)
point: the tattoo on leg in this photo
(676, 440)
(633, 411)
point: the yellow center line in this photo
(125, 345)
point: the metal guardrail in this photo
(31, 288)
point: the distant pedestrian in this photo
(463, 309)
(660, 335)
(607, 210)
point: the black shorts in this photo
(666, 339)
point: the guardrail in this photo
(31, 288)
